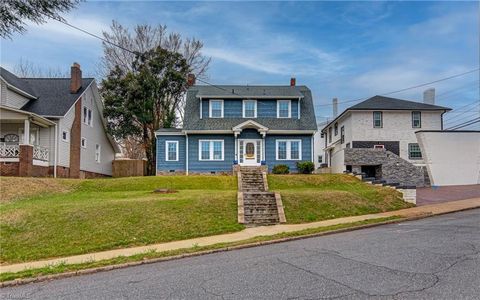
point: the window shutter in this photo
(241, 152)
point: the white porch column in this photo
(236, 147)
(26, 132)
(263, 147)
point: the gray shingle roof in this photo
(13, 80)
(54, 97)
(248, 91)
(192, 119)
(387, 103)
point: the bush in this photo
(305, 167)
(280, 169)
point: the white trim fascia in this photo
(281, 131)
(34, 115)
(298, 109)
(243, 108)
(176, 150)
(210, 149)
(242, 125)
(289, 149)
(289, 108)
(207, 131)
(17, 90)
(219, 97)
(201, 108)
(210, 108)
(160, 133)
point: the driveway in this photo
(434, 258)
(432, 195)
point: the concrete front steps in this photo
(256, 205)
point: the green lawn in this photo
(309, 198)
(45, 218)
(104, 214)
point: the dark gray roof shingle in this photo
(248, 91)
(54, 97)
(387, 103)
(13, 80)
(307, 120)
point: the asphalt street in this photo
(433, 258)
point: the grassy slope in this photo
(310, 198)
(112, 213)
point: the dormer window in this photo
(284, 109)
(216, 108)
(249, 108)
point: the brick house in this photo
(377, 137)
(233, 125)
(53, 127)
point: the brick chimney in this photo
(191, 79)
(75, 78)
(293, 81)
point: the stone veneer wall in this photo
(394, 168)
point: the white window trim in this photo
(86, 110)
(289, 149)
(289, 109)
(243, 108)
(210, 108)
(166, 150)
(85, 145)
(210, 146)
(99, 153)
(68, 136)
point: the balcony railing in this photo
(9, 150)
(40, 153)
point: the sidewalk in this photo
(248, 233)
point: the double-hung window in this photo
(87, 116)
(171, 153)
(414, 151)
(336, 129)
(416, 119)
(342, 134)
(216, 108)
(284, 109)
(377, 119)
(249, 108)
(289, 149)
(211, 150)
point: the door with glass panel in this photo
(250, 152)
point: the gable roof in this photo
(387, 103)
(192, 119)
(54, 97)
(16, 82)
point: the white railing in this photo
(40, 153)
(9, 150)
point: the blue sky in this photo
(338, 49)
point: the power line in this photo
(409, 88)
(233, 92)
(464, 124)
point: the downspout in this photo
(55, 156)
(186, 154)
(441, 117)
(312, 147)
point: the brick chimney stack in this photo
(293, 81)
(75, 78)
(191, 79)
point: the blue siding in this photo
(270, 151)
(250, 133)
(233, 108)
(166, 166)
(195, 165)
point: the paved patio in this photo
(433, 195)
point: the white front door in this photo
(250, 152)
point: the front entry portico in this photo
(250, 151)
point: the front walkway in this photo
(245, 234)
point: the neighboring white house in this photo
(377, 137)
(53, 127)
(319, 143)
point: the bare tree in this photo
(26, 68)
(140, 39)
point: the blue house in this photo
(232, 125)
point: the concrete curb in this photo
(17, 282)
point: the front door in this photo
(250, 152)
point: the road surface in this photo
(434, 258)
